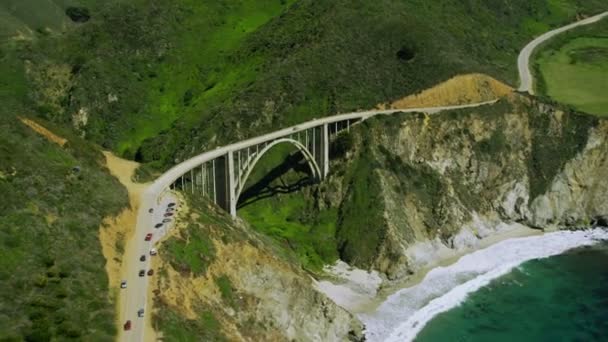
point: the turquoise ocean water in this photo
(560, 298)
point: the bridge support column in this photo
(325, 151)
(231, 198)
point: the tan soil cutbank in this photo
(461, 89)
(44, 132)
(122, 226)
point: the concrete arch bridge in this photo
(221, 174)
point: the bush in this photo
(78, 14)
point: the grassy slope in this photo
(317, 62)
(573, 69)
(162, 60)
(53, 283)
(52, 277)
(189, 74)
(289, 216)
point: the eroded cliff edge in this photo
(413, 185)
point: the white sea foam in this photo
(404, 314)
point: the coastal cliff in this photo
(414, 187)
(219, 280)
(407, 190)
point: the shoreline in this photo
(344, 287)
(390, 288)
(406, 312)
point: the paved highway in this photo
(523, 61)
(134, 297)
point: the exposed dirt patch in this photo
(462, 89)
(116, 231)
(44, 132)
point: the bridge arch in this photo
(308, 156)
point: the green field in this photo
(574, 69)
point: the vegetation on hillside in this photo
(573, 68)
(277, 201)
(53, 284)
(161, 80)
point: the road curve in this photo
(523, 60)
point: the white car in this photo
(123, 284)
(153, 251)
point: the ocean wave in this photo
(404, 314)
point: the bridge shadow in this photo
(266, 188)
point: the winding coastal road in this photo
(523, 61)
(157, 195)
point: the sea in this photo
(550, 287)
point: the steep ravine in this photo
(415, 186)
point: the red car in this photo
(148, 237)
(168, 214)
(127, 325)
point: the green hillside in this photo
(53, 284)
(161, 80)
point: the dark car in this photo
(142, 273)
(148, 237)
(140, 313)
(167, 220)
(170, 209)
(168, 214)
(150, 210)
(150, 272)
(158, 225)
(127, 325)
(171, 205)
(142, 258)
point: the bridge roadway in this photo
(156, 194)
(523, 60)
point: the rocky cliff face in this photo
(442, 182)
(220, 281)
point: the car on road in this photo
(140, 313)
(123, 284)
(170, 209)
(127, 325)
(171, 204)
(150, 272)
(142, 257)
(158, 225)
(148, 237)
(168, 214)
(142, 273)
(151, 210)
(167, 220)
(153, 251)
